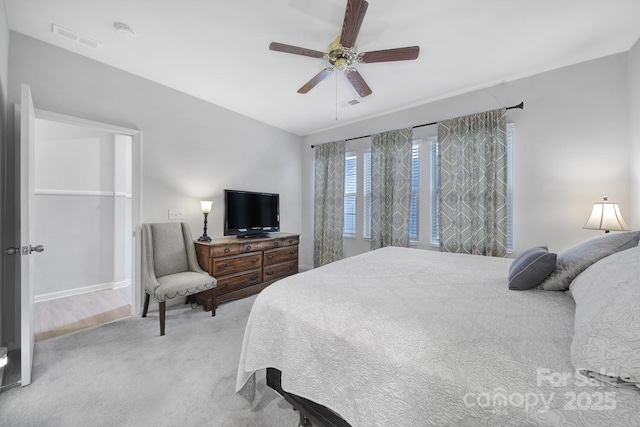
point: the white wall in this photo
(191, 149)
(6, 296)
(570, 147)
(634, 132)
(123, 211)
(80, 201)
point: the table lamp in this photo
(606, 216)
(205, 207)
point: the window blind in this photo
(350, 194)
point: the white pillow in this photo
(606, 341)
(574, 261)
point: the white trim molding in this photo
(81, 193)
(71, 292)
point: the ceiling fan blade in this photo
(353, 17)
(315, 80)
(358, 82)
(287, 48)
(398, 54)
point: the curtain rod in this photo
(519, 106)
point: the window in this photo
(366, 226)
(435, 200)
(435, 203)
(415, 186)
(350, 194)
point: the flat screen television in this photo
(250, 214)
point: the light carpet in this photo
(125, 374)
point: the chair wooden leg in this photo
(214, 301)
(146, 305)
(163, 309)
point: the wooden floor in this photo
(64, 315)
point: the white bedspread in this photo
(408, 337)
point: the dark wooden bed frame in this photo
(311, 413)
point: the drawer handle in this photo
(291, 267)
(276, 244)
(270, 256)
(254, 277)
(224, 266)
(291, 240)
(248, 247)
(226, 250)
(269, 273)
(253, 261)
(292, 252)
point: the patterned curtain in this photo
(328, 218)
(473, 184)
(391, 188)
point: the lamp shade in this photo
(205, 206)
(605, 215)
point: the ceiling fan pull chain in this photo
(336, 97)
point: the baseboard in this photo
(79, 291)
(123, 284)
(302, 268)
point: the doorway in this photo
(84, 210)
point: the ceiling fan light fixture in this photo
(342, 51)
(124, 30)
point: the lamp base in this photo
(204, 238)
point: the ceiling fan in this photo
(342, 52)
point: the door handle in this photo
(25, 250)
(38, 248)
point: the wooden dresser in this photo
(244, 267)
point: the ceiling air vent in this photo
(350, 103)
(73, 36)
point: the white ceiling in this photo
(217, 50)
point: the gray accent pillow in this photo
(530, 268)
(575, 260)
(606, 343)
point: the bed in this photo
(410, 337)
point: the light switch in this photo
(176, 213)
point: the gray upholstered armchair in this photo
(170, 268)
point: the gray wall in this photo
(634, 132)
(191, 149)
(5, 301)
(571, 145)
(76, 207)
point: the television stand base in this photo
(252, 235)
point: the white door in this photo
(27, 120)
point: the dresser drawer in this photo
(254, 246)
(289, 241)
(238, 281)
(279, 271)
(276, 256)
(281, 242)
(236, 264)
(226, 250)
